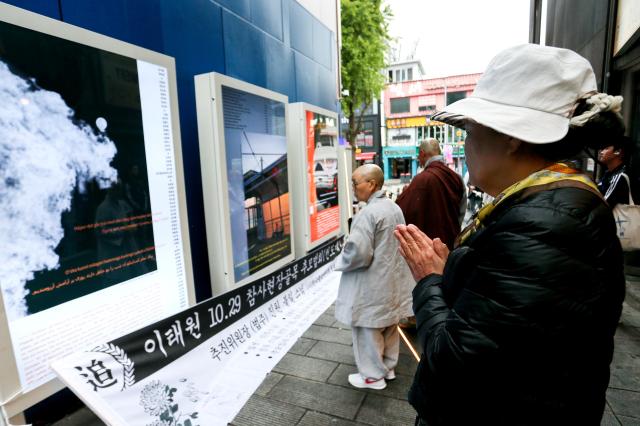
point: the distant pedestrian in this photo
(375, 287)
(517, 322)
(435, 200)
(614, 184)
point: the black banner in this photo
(152, 347)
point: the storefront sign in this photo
(422, 121)
(400, 151)
(402, 137)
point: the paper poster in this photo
(199, 367)
(256, 156)
(322, 175)
(89, 221)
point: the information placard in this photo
(92, 228)
(317, 176)
(322, 175)
(243, 149)
(256, 147)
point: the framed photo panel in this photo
(246, 181)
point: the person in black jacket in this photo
(614, 184)
(517, 322)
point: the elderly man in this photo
(436, 200)
(375, 288)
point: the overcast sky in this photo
(458, 36)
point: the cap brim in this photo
(526, 124)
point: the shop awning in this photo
(364, 156)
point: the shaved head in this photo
(371, 172)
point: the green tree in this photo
(365, 36)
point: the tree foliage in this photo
(365, 34)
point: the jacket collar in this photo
(378, 194)
(432, 159)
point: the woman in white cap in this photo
(517, 322)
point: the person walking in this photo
(517, 322)
(375, 286)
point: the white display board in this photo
(93, 224)
(345, 188)
(313, 144)
(245, 179)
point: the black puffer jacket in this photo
(519, 329)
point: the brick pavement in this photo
(309, 386)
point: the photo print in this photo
(256, 151)
(75, 214)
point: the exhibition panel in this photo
(313, 143)
(92, 213)
(243, 149)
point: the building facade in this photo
(408, 107)
(368, 147)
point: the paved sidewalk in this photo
(623, 395)
(309, 386)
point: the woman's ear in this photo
(513, 144)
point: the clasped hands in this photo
(423, 255)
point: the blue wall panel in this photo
(244, 47)
(43, 7)
(301, 27)
(327, 88)
(240, 7)
(279, 68)
(307, 89)
(267, 15)
(136, 22)
(321, 44)
(193, 36)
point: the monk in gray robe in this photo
(376, 284)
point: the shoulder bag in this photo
(627, 218)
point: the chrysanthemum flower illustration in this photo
(155, 398)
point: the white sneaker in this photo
(360, 382)
(391, 375)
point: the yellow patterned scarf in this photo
(556, 175)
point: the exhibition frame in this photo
(319, 201)
(114, 251)
(245, 179)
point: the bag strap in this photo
(624, 175)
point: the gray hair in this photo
(431, 147)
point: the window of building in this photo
(410, 74)
(424, 108)
(455, 96)
(404, 75)
(437, 132)
(390, 76)
(399, 105)
(365, 137)
(398, 79)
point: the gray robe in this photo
(376, 284)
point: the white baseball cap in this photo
(528, 92)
